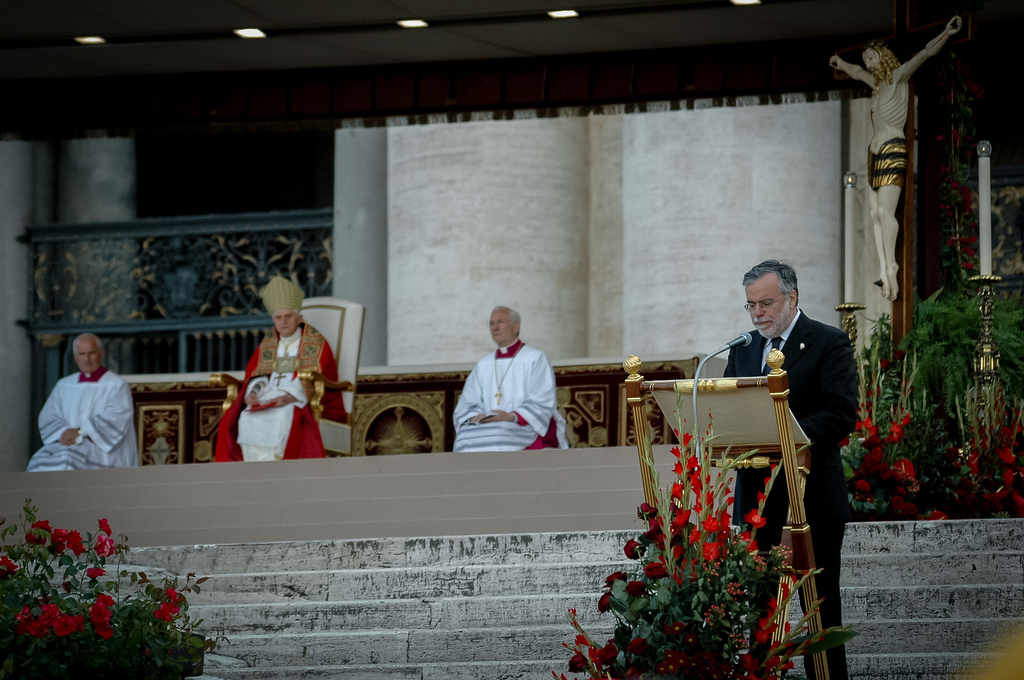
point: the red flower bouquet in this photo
(63, 615)
(700, 602)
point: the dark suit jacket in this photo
(823, 398)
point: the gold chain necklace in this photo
(500, 382)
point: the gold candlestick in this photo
(986, 352)
(848, 321)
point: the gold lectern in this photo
(750, 415)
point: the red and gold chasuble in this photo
(304, 439)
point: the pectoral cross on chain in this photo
(498, 396)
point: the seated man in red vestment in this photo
(271, 418)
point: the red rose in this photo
(578, 663)
(612, 578)
(38, 533)
(104, 546)
(604, 603)
(166, 611)
(637, 646)
(633, 549)
(75, 543)
(656, 570)
(95, 572)
(636, 588)
(65, 625)
(105, 526)
(863, 486)
(6, 567)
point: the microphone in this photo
(743, 339)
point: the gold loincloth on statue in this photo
(889, 166)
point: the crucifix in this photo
(891, 150)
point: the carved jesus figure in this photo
(887, 152)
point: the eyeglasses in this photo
(763, 304)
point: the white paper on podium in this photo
(743, 417)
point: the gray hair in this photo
(74, 343)
(513, 315)
(784, 270)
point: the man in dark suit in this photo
(823, 398)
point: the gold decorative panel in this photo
(161, 434)
(661, 428)
(585, 408)
(388, 424)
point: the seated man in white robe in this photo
(88, 420)
(508, 402)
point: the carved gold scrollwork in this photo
(160, 435)
(585, 408)
(391, 424)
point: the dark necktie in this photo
(776, 344)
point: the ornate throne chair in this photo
(341, 323)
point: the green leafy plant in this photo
(62, 615)
(701, 602)
(928, 444)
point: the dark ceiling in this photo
(191, 36)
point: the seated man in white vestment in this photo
(508, 402)
(88, 420)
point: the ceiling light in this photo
(563, 14)
(250, 33)
(745, 2)
(412, 23)
(90, 40)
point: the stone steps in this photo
(925, 598)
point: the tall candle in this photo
(849, 196)
(985, 206)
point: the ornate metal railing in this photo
(167, 295)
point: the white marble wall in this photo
(709, 193)
(604, 338)
(16, 420)
(481, 214)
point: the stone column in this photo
(481, 214)
(96, 183)
(361, 232)
(709, 193)
(605, 300)
(16, 416)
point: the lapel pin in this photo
(802, 345)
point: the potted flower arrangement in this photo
(65, 614)
(701, 601)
